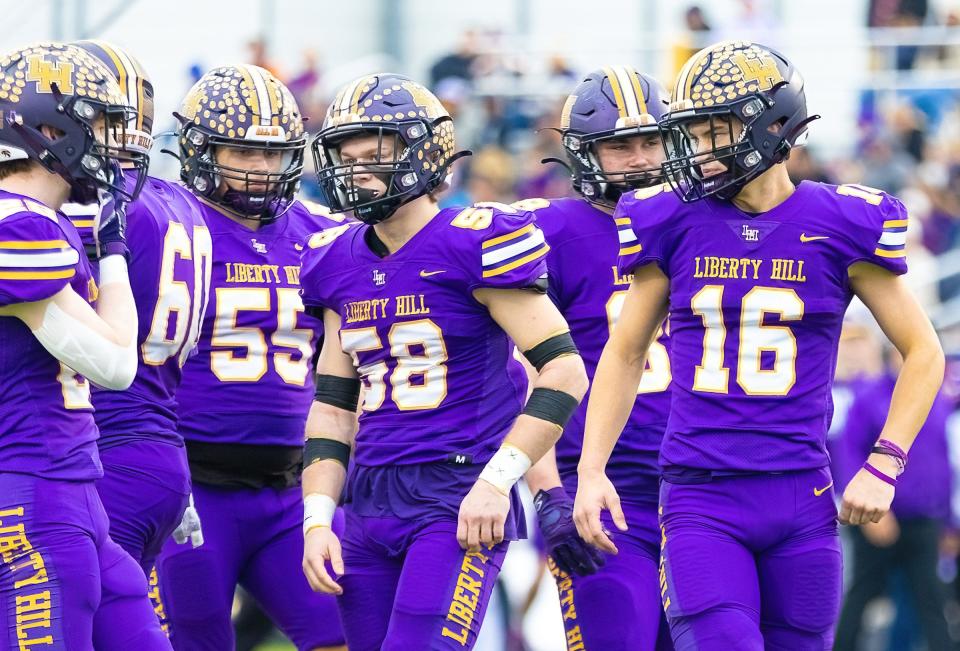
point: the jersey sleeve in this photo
(36, 260)
(316, 261)
(506, 249)
(82, 217)
(321, 216)
(885, 239)
(641, 229)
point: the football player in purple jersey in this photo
(755, 274)
(423, 306)
(609, 131)
(146, 481)
(245, 394)
(62, 137)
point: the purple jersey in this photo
(756, 307)
(46, 422)
(441, 380)
(250, 381)
(170, 261)
(589, 290)
(82, 217)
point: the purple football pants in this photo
(408, 585)
(144, 489)
(751, 563)
(253, 537)
(618, 608)
(58, 567)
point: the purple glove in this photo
(565, 546)
(110, 223)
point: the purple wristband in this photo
(869, 467)
(891, 449)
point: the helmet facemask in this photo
(392, 163)
(606, 186)
(105, 152)
(257, 194)
(730, 131)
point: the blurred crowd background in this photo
(884, 74)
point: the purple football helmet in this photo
(63, 87)
(724, 86)
(390, 107)
(611, 103)
(136, 86)
(243, 107)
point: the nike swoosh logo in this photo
(427, 274)
(813, 238)
(820, 491)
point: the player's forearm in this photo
(917, 385)
(325, 477)
(325, 422)
(611, 399)
(115, 304)
(534, 435)
(100, 345)
(326, 455)
(543, 475)
(559, 387)
(329, 422)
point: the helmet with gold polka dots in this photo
(413, 145)
(247, 110)
(61, 107)
(737, 103)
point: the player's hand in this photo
(595, 492)
(110, 223)
(190, 528)
(884, 533)
(565, 546)
(483, 513)
(319, 546)
(868, 498)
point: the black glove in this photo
(565, 546)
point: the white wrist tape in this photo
(506, 468)
(318, 510)
(85, 350)
(113, 269)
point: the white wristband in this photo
(113, 269)
(318, 510)
(506, 468)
